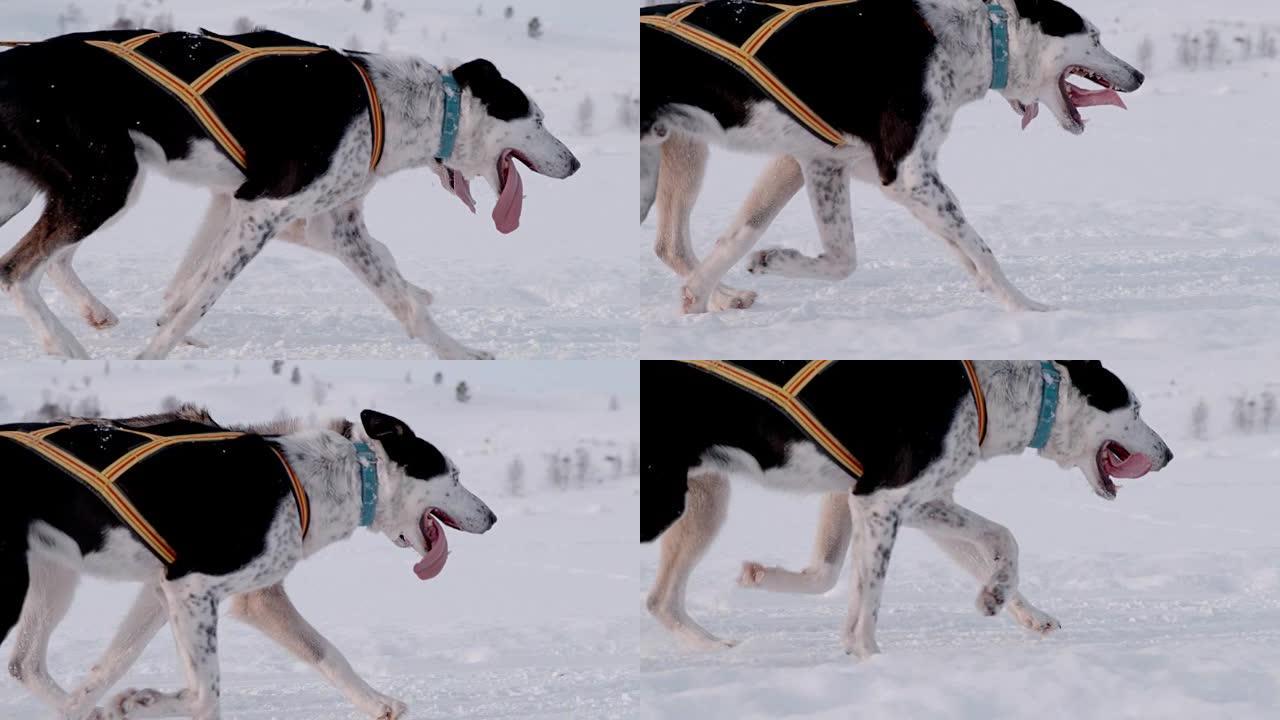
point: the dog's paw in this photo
(132, 700)
(1037, 622)
(752, 574)
(392, 710)
(992, 599)
(100, 317)
(765, 261)
(690, 303)
(727, 298)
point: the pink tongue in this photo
(1134, 466)
(1086, 98)
(506, 214)
(433, 562)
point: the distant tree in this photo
(71, 19)
(277, 366)
(628, 111)
(586, 115)
(509, 12)
(296, 377)
(243, 25)
(614, 405)
(462, 392)
(479, 11)
(439, 377)
(515, 477)
(368, 6)
(535, 28)
(1268, 410)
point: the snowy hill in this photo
(549, 290)
(526, 621)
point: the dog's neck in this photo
(328, 467)
(413, 107)
(963, 29)
(1013, 391)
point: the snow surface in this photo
(1157, 231)
(535, 619)
(556, 288)
(1169, 597)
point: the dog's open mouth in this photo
(435, 542)
(1075, 97)
(506, 212)
(1115, 461)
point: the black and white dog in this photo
(233, 526)
(916, 428)
(876, 84)
(289, 145)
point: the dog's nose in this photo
(493, 519)
(1168, 456)
(1138, 79)
(573, 166)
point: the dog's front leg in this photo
(875, 529)
(248, 230)
(828, 183)
(272, 613)
(921, 191)
(343, 234)
(193, 614)
(988, 551)
(141, 625)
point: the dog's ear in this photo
(382, 427)
(501, 97)
(1099, 386)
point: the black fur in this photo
(1053, 17)
(1099, 386)
(893, 417)
(860, 67)
(419, 458)
(213, 502)
(500, 96)
(66, 110)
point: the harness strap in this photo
(786, 398)
(103, 482)
(192, 94)
(744, 56)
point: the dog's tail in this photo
(16, 578)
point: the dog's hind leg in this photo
(270, 611)
(64, 277)
(683, 545)
(16, 192)
(193, 615)
(835, 527)
(343, 235)
(650, 159)
(875, 529)
(52, 588)
(988, 552)
(920, 190)
(202, 252)
(13, 568)
(144, 620)
(828, 182)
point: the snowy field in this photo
(1157, 231)
(1169, 597)
(535, 619)
(562, 286)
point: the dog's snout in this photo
(493, 519)
(1168, 456)
(574, 166)
(1138, 79)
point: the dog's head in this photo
(418, 486)
(500, 125)
(1099, 429)
(1052, 43)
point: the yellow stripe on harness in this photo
(744, 56)
(786, 398)
(103, 482)
(192, 94)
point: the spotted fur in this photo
(915, 429)
(890, 76)
(306, 127)
(45, 548)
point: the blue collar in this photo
(999, 46)
(368, 460)
(1048, 404)
(452, 116)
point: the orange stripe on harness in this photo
(192, 94)
(754, 69)
(775, 23)
(979, 400)
(103, 482)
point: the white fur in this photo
(326, 464)
(866, 526)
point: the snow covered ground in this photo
(1169, 597)
(1156, 231)
(562, 286)
(535, 619)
